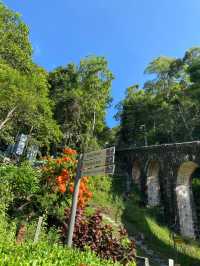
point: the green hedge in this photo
(45, 254)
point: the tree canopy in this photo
(167, 108)
(25, 105)
(15, 47)
(81, 94)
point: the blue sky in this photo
(129, 33)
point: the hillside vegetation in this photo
(140, 221)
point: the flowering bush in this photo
(58, 181)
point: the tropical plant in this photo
(91, 232)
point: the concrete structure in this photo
(163, 173)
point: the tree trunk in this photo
(94, 122)
(8, 117)
(184, 121)
(21, 234)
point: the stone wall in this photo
(163, 173)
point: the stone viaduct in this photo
(163, 173)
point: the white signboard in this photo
(32, 152)
(21, 144)
(171, 262)
(99, 162)
(102, 170)
(97, 154)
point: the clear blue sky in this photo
(129, 33)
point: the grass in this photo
(148, 221)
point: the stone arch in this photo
(136, 172)
(153, 184)
(185, 199)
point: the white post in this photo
(171, 262)
(147, 262)
(74, 203)
(37, 232)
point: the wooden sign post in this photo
(92, 163)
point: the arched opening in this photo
(153, 185)
(136, 172)
(185, 200)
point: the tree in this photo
(15, 47)
(25, 106)
(24, 97)
(81, 94)
(168, 105)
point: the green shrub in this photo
(7, 230)
(21, 183)
(196, 194)
(23, 179)
(45, 254)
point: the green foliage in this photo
(100, 186)
(160, 66)
(81, 94)
(167, 108)
(7, 229)
(196, 195)
(25, 97)
(140, 220)
(22, 183)
(23, 180)
(157, 236)
(45, 254)
(15, 47)
(24, 101)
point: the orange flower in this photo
(62, 188)
(67, 159)
(80, 194)
(90, 194)
(69, 151)
(58, 161)
(64, 172)
(82, 186)
(59, 179)
(71, 188)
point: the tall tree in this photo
(81, 94)
(25, 106)
(24, 97)
(168, 106)
(15, 47)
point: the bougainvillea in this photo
(58, 179)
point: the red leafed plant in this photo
(91, 232)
